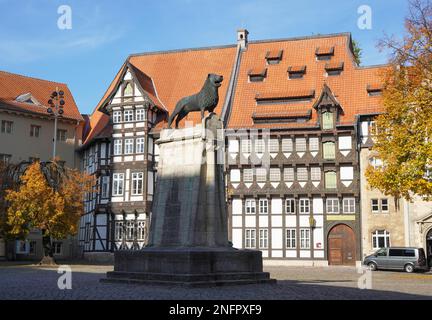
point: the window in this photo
(250, 206)
(263, 238)
(233, 146)
(118, 181)
(22, 247)
(327, 119)
(263, 206)
(329, 150)
(87, 233)
(5, 158)
(141, 230)
(380, 205)
(128, 115)
(129, 146)
(137, 183)
(302, 174)
(34, 131)
(250, 238)
(261, 174)
(117, 116)
(6, 126)
(345, 143)
(273, 145)
(375, 205)
(287, 145)
(117, 147)
(346, 173)
(332, 205)
(128, 92)
(376, 162)
(118, 231)
(330, 180)
(61, 135)
(313, 144)
(32, 247)
(130, 229)
(259, 146)
(348, 205)
(295, 75)
(380, 239)
(57, 248)
(300, 144)
(105, 184)
(384, 205)
(289, 174)
(246, 146)
(139, 145)
(290, 206)
(291, 239)
(304, 205)
(235, 175)
(247, 175)
(304, 238)
(315, 173)
(139, 114)
(275, 175)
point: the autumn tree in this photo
(403, 140)
(49, 198)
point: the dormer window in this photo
(374, 90)
(257, 75)
(274, 56)
(327, 120)
(334, 69)
(324, 53)
(27, 98)
(296, 72)
(293, 96)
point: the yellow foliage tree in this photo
(50, 202)
(403, 140)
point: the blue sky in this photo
(104, 33)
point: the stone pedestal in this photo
(188, 240)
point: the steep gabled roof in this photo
(14, 88)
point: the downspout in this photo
(407, 223)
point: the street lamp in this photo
(56, 104)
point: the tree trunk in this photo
(48, 258)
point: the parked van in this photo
(397, 258)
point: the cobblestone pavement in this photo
(32, 282)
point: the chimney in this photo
(242, 38)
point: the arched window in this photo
(330, 180)
(380, 239)
(327, 119)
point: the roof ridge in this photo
(181, 50)
(30, 77)
(315, 36)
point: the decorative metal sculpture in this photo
(206, 99)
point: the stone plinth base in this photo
(189, 267)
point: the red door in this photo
(341, 245)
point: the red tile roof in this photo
(348, 88)
(13, 85)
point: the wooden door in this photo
(341, 245)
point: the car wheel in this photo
(373, 266)
(409, 268)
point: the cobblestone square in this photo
(314, 283)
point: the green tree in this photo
(357, 52)
(403, 140)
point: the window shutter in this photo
(329, 150)
(327, 120)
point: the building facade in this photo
(26, 132)
(294, 111)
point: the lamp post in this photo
(56, 104)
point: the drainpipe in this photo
(407, 223)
